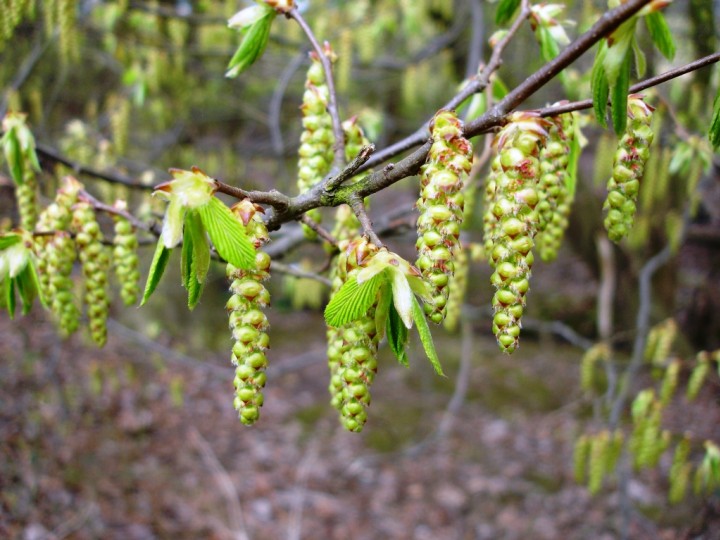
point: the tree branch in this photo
(358, 207)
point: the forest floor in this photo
(138, 441)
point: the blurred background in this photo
(140, 440)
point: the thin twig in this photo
(225, 484)
(339, 144)
(99, 205)
(358, 207)
(293, 270)
(319, 230)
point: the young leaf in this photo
(505, 11)
(189, 266)
(157, 267)
(618, 104)
(353, 300)
(252, 46)
(714, 132)
(10, 297)
(397, 334)
(8, 240)
(26, 289)
(227, 234)
(425, 337)
(660, 34)
(382, 309)
(600, 86)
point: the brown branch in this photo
(108, 209)
(339, 145)
(476, 84)
(319, 230)
(333, 182)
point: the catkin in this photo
(441, 208)
(629, 162)
(248, 322)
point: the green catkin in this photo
(597, 353)
(125, 257)
(56, 255)
(581, 457)
(554, 191)
(628, 165)
(458, 286)
(247, 321)
(26, 195)
(660, 341)
(598, 461)
(680, 472)
(354, 348)
(67, 30)
(512, 198)
(698, 375)
(316, 142)
(95, 260)
(669, 382)
(441, 208)
(707, 475)
(119, 111)
(615, 447)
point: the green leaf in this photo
(13, 156)
(714, 132)
(640, 60)
(660, 34)
(26, 288)
(353, 300)
(227, 234)
(426, 337)
(382, 309)
(252, 45)
(618, 105)
(617, 48)
(505, 11)
(157, 267)
(600, 86)
(10, 297)
(397, 334)
(32, 272)
(195, 258)
(10, 239)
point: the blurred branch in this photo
(39, 47)
(275, 108)
(225, 484)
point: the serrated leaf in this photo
(13, 156)
(660, 34)
(252, 46)
(426, 337)
(714, 132)
(505, 11)
(397, 334)
(227, 234)
(157, 268)
(600, 86)
(618, 105)
(353, 300)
